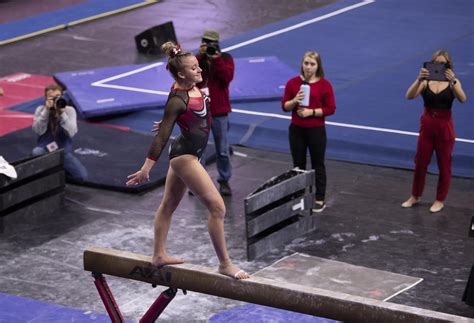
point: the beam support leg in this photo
(107, 298)
(159, 306)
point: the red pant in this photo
(436, 133)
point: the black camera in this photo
(212, 48)
(59, 102)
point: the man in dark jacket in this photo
(217, 73)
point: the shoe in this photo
(319, 206)
(436, 207)
(224, 188)
(7, 169)
(411, 202)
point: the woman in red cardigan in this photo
(307, 130)
(436, 128)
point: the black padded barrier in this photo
(38, 189)
(279, 211)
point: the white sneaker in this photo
(7, 169)
(319, 207)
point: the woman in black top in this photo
(436, 128)
(186, 106)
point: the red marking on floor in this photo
(11, 121)
(123, 128)
(22, 87)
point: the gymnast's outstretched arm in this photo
(174, 108)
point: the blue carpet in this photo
(371, 55)
(262, 314)
(15, 309)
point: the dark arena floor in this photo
(363, 224)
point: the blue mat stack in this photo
(116, 90)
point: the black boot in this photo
(225, 189)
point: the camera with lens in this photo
(59, 102)
(212, 48)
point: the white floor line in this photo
(346, 125)
(279, 260)
(298, 25)
(101, 210)
(129, 88)
(236, 153)
(401, 291)
(305, 23)
(93, 208)
(305, 255)
(138, 70)
(18, 116)
(100, 83)
(257, 39)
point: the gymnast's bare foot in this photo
(233, 271)
(165, 260)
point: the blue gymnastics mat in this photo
(115, 90)
(16, 309)
(371, 56)
(65, 17)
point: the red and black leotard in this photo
(194, 120)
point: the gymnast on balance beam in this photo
(186, 106)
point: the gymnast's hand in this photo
(137, 178)
(156, 126)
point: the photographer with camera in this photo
(56, 123)
(217, 73)
(436, 129)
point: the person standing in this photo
(307, 129)
(436, 128)
(186, 106)
(217, 73)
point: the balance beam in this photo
(257, 290)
